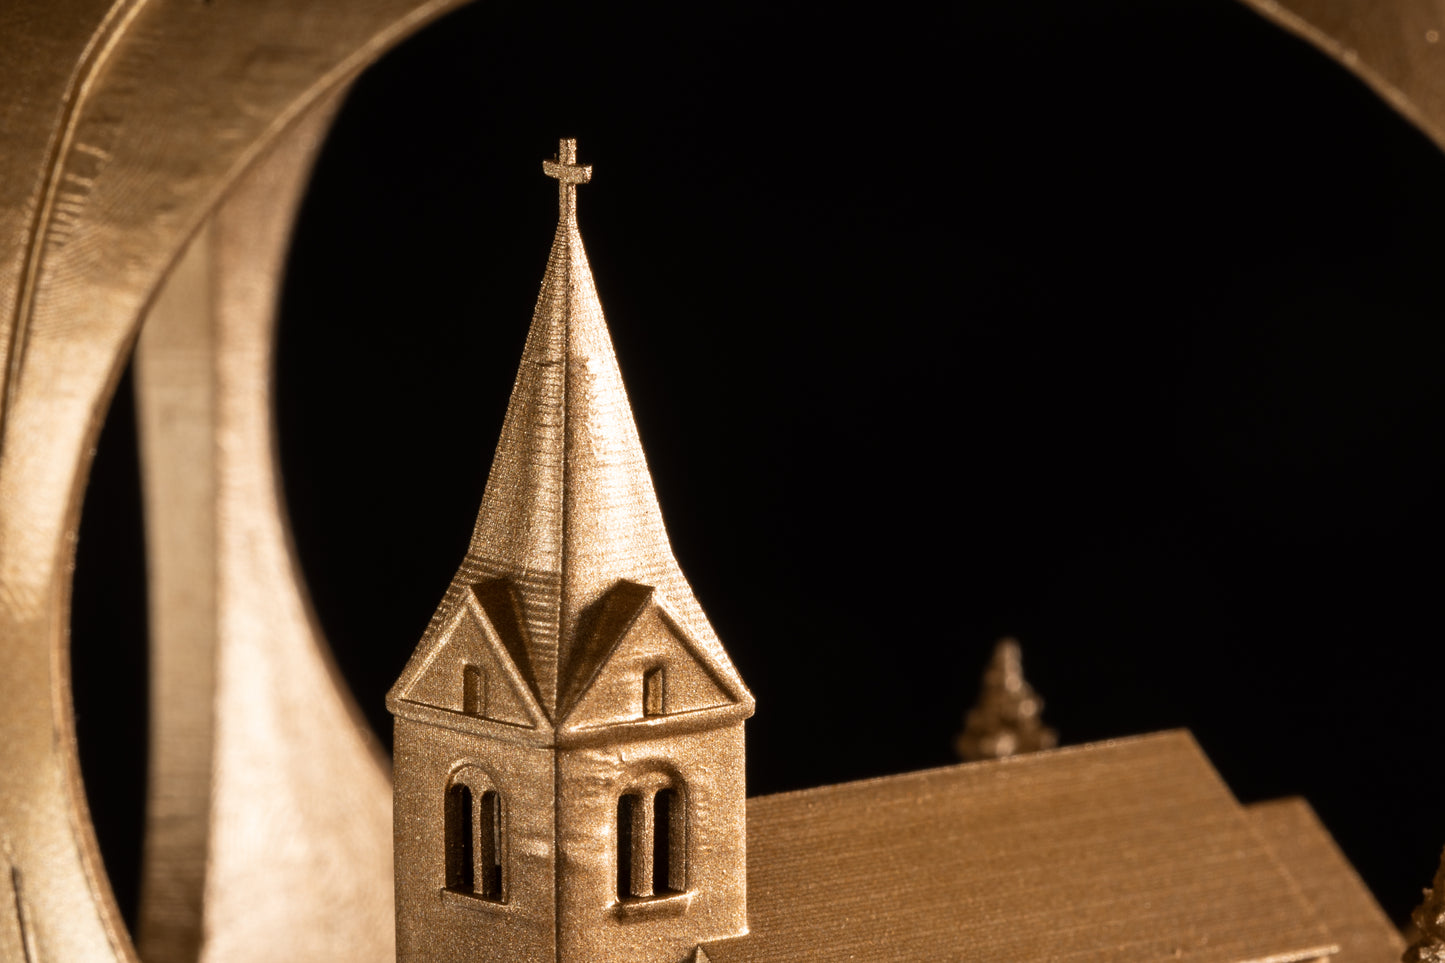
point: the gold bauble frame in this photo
(154, 154)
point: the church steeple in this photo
(569, 772)
(569, 507)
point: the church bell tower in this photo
(569, 731)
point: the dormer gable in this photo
(641, 667)
(466, 676)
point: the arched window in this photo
(651, 840)
(474, 846)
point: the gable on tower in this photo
(468, 677)
(641, 665)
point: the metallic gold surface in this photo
(125, 126)
(569, 683)
(1293, 833)
(254, 731)
(175, 375)
(1395, 47)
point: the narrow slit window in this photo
(652, 692)
(627, 804)
(667, 845)
(489, 850)
(474, 690)
(459, 865)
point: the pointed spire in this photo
(1008, 718)
(569, 509)
(1428, 944)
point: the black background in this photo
(1111, 325)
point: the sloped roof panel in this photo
(1290, 828)
(1123, 851)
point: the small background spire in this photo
(1008, 718)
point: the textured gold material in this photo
(569, 760)
(126, 124)
(254, 731)
(569, 732)
(1009, 716)
(1122, 851)
(1291, 830)
(1393, 47)
(1427, 944)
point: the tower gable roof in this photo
(633, 634)
(473, 641)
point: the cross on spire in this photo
(568, 174)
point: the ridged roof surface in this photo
(1130, 851)
(569, 508)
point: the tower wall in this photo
(597, 926)
(435, 926)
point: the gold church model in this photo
(569, 762)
